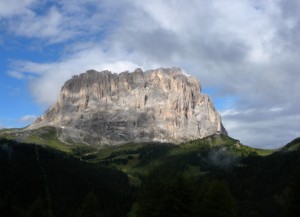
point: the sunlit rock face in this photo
(162, 105)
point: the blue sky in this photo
(245, 54)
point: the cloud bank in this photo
(248, 50)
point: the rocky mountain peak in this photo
(164, 105)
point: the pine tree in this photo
(216, 200)
(90, 206)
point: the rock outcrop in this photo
(163, 105)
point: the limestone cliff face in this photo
(163, 105)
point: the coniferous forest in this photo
(37, 181)
(195, 179)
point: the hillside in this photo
(38, 181)
(213, 176)
(293, 145)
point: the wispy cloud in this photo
(51, 26)
(59, 21)
(263, 127)
(275, 109)
(47, 78)
(27, 119)
(15, 7)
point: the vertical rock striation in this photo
(164, 105)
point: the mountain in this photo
(207, 174)
(105, 108)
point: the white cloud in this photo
(52, 26)
(245, 49)
(27, 119)
(269, 132)
(15, 7)
(47, 79)
(275, 109)
(59, 21)
(229, 112)
(16, 74)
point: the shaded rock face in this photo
(163, 105)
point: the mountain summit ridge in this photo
(161, 105)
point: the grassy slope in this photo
(293, 145)
(46, 136)
(136, 159)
